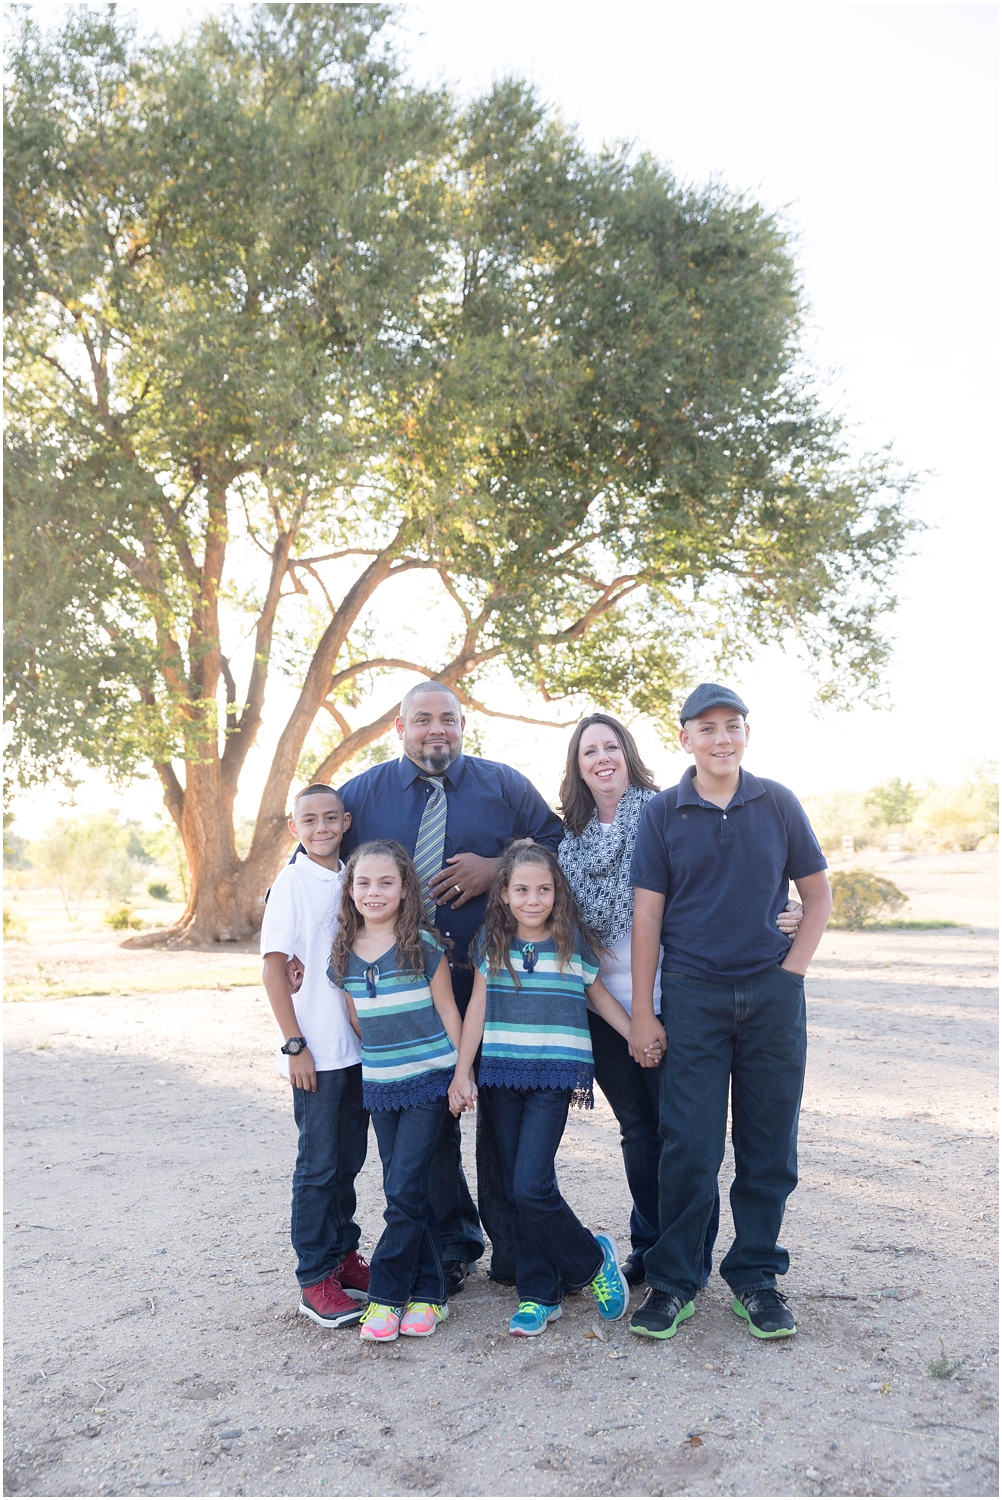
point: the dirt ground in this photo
(153, 1344)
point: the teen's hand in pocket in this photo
(790, 918)
(303, 1071)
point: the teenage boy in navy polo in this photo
(711, 871)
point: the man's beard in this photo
(435, 761)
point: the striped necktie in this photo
(430, 847)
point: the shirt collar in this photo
(409, 771)
(749, 787)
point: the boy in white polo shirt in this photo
(322, 1058)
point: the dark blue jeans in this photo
(462, 1236)
(748, 1039)
(634, 1095)
(554, 1252)
(407, 1262)
(333, 1134)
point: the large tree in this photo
(281, 329)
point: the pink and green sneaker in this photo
(380, 1323)
(422, 1318)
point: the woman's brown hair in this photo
(576, 802)
(499, 919)
(411, 920)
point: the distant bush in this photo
(13, 927)
(158, 890)
(858, 896)
(74, 856)
(959, 817)
(936, 817)
(123, 917)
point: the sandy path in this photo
(153, 1345)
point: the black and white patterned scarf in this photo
(597, 865)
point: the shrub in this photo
(123, 917)
(74, 856)
(158, 890)
(859, 895)
(13, 927)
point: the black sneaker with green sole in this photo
(766, 1313)
(660, 1315)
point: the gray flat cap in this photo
(710, 695)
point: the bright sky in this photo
(873, 129)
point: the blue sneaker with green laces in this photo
(530, 1318)
(611, 1291)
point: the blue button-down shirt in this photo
(726, 874)
(489, 804)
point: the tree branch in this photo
(173, 790)
(338, 717)
(495, 713)
(239, 743)
(231, 695)
(355, 742)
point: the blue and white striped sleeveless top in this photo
(407, 1059)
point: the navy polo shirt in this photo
(488, 805)
(725, 873)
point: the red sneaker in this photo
(327, 1304)
(353, 1274)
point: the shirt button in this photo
(725, 817)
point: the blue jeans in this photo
(407, 1262)
(748, 1039)
(554, 1252)
(634, 1094)
(333, 1134)
(462, 1236)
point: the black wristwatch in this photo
(294, 1046)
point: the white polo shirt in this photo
(299, 919)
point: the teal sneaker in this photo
(530, 1318)
(611, 1291)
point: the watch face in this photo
(294, 1047)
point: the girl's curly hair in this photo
(411, 919)
(499, 919)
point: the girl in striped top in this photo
(534, 967)
(400, 1003)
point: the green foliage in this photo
(281, 328)
(959, 817)
(942, 1367)
(167, 847)
(894, 801)
(936, 817)
(121, 918)
(15, 848)
(858, 896)
(13, 927)
(74, 856)
(159, 890)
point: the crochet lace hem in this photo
(504, 1075)
(408, 1093)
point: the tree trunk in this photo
(226, 900)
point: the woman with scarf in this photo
(602, 796)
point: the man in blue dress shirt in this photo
(486, 805)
